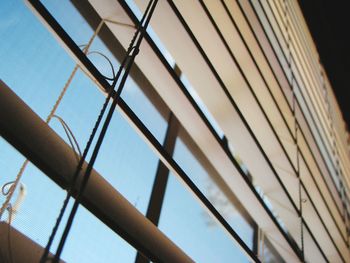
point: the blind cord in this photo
(296, 128)
(126, 64)
(59, 218)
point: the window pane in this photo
(206, 178)
(185, 222)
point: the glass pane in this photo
(31, 59)
(189, 224)
(70, 19)
(147, 105)
(198, 168)
(185, 222)
(270, 254)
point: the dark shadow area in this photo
(329, 25)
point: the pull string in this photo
(296, 127)
(14, 183)
(70, 135)
(105, 57)
(9, 229)
(134, 50)
(127, 62)
(84, 155)
(52, 113)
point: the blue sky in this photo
(36, 67)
